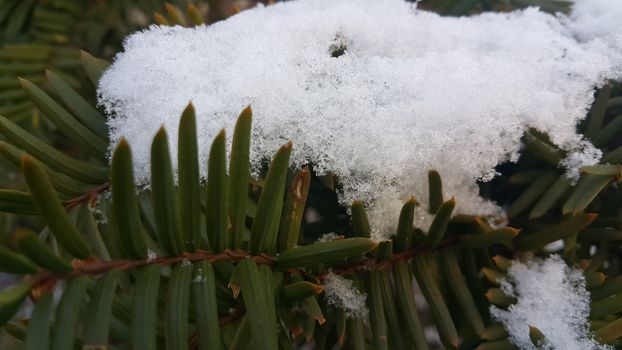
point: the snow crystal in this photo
(376, 92)
(151, 255)
(327, 237)
(598, 21)
(98, 214)
(341, 293)
(185, 262)
(199, 278)
(551, 297)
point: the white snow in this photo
(199, 278)
(598, 21)
(341, 293)
(327, 237)
(151, 255)
(99, 215)
(551, 297)
(414, 91)
(185, 262)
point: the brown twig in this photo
(89, 196)
(94, 266)
(46, 280)
(372, 263)
(84, 267)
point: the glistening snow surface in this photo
(413, 91)
(551, 297)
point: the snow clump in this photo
(551, 297)
(374, 91)
(342, 293)
(327, 237)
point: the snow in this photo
(185, 262)
(327, 237)
(199, 278)
(341, 293)
(598, 21)
(551, 297)
(151, 255)
(99, 215)
(412, 91)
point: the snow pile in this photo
(341, 293)
(597, 19)
(407, 91)
(551, 297)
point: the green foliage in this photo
(229, 263)
(40, 41)
(177, 282)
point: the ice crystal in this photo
(341, 293)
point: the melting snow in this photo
(407, 91)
